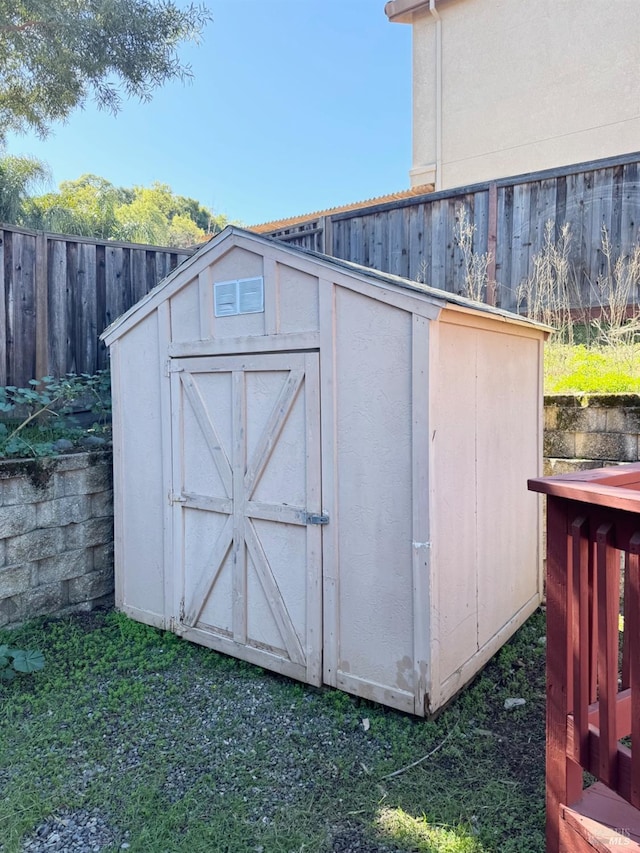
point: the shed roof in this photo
(169, 285)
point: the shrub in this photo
(36, 418)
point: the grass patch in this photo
(183, 750)
(591, 370)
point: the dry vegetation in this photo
(595, 345)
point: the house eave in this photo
(402, 11)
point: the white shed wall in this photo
(508, 377)
(297, 301)
(453, 488)
(140, 496)
(185, 325)
(374, 511)
(485, 524)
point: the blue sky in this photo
(295, 106)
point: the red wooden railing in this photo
(593, 658)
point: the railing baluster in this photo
(579, 633)
(632, 615)
(608, 576)
(593, 623)
(626, 674)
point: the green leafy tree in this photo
(156, 215)
(18, 177)
(86, 206)
(91, 206)
(57, 54)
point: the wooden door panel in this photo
(210, 536)
(205, 431)
(246, 479)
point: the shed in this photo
(322, 469)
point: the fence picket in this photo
(58, 293)
(416, 233)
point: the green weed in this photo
(592, 370)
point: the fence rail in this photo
(59, 292)
(415, 237)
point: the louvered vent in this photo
(244, 296)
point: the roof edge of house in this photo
(292, 221)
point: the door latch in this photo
(316, 518)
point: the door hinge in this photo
(316, 518)
(176, 499)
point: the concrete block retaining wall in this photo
(56, 535)
(590, 431)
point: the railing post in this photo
(564, 776)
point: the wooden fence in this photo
(58, 293)
(415, 237)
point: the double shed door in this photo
(247, 508)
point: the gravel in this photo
(75, 832)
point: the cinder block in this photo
(550, 416)
(561, 445)
(70, 564)
(59, 484)
(591, 419)
(17, 519)
(96, 478)
(581, 419)
(103, 557)
(615, 446)
(63, 511)
(71, 479)
(44, 600)
(35, 545)
(87, 534)
(568, 466)
(11, 610)
(26, 480)
(3, 559)
(623, 420)
(92, 585)
(20, 490)
(102, 504)
(632, 418)
(14, 580)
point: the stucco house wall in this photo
(509, 86)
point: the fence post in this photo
(492, 243)
(327, 234)
(42, 306)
